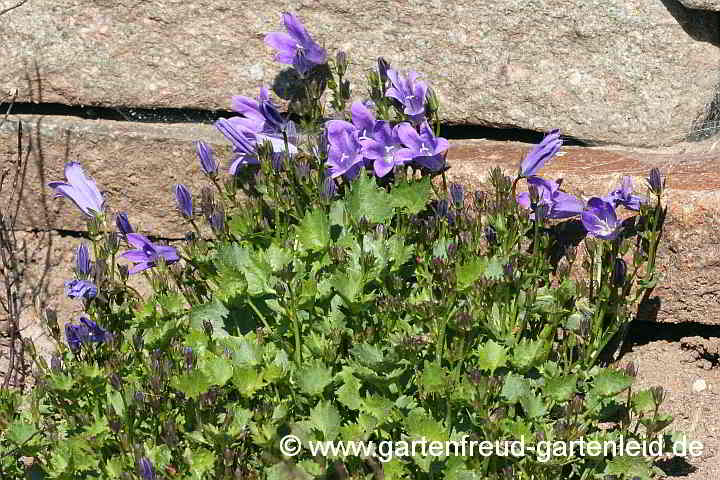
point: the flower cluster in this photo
(598, 216)
(85, 331)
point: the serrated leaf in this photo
(314, 230)
(561, 388)
(349, 393)
(635, 467)
(642, 401)
(434, 378)
(247, 380)
(495, 269)
(313, 379)
(412, 197)
(491, 356)
(369, 201)
(201, 461)
(367, 354)
(217, 370)
(326, 418)
(528, 353)
(533, 405)
(192, 384)
(610, 382)
(468, 273)
(515, 387)
(20, 432)
(214, 312)
(419, 426)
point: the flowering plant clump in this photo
(335, 287)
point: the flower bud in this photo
(490, 235)
(658, 395)
(432, 104)
(457, 194)
(56, 364)
(619, 272)
(146, 469)
(631, 369)
(341, 63)
(116, 381)
(183, 197)
(656, 182)
(123, 224)
(207, 161)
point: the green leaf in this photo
(635, 467)
(434, 378)
(642, 401)
(326, 418)
(610, 382)
(470, 272)
(367, 354)
(314, 230)
(533, 405)
(349, 284)
(528, 353)
(495, 269)
(349, 393)
(247, 380)
(491, 356)
(216, 369)
(561, 388)
(201, 461)
(20, 432)
(214, 312)
(412, 197)
(515, 387)
(313, 379)
(369, 201)
(192, 384)
(419, 426)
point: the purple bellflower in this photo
(253, 119)
(205, 155)
(80, 289)
(80, 189)
(541, 153)
(146, 469)
(385, 149)
(409, 91)
(146, 253)
(296, 47)
(623, 196)
(123, 223)
(345, 154)
(600, 219)
(559, 204)
(82, 260)
(425, 149)
(183, 197)
(363, 119)
(84, 332)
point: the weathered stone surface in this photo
(712, 5)
(621, 71)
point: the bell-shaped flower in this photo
(183, 197)
(364, 120)
(82, 260)
(146, 254)
(81, 289)
(385, 149)
(624, 196)
(84, 332)
(253, 119)
(559, 204)
(346, 151)
(541, 153)
(409, 91)
(424, 148)
(205, 155)
(123, 223)
(296, 47)
(80, 189)
(600, 220)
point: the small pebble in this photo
(699, 385)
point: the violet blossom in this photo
(82, 260)
(205, 155)
(409, 91)
(541, 153)
(600, 219)
(81, 289)
(385, 149)
(559, 204)
(84, 332)
(80, 189)
(147, 254)
(345, 154)
(183, 197)
(296, 47)
(425, 149)
(623, 196)
(123, 223)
